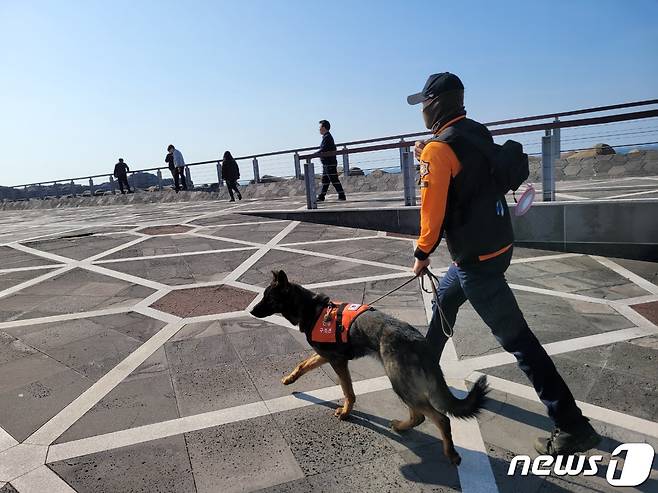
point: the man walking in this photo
(121, 170)
(179, 168)
(329, 163)
(460, 198)
(231, 174)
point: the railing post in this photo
(91, 186)
(402, 157)
(113, 186)
(309, 181)
(408, 175)
(346, 163)
(219, 174)
(72, 189)
(547, 168)
(256, 173)
(298, 170)
(188, 178)
(160, 180)
(557, 151)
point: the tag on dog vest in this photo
(333, 324)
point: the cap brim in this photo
(416, 98)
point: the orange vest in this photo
(333, 324)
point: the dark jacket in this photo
(169, 159)
(473, 225)
(328, 145)
(120, 169)
(230, 170)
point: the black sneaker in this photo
(320, 198)
(565, 443)
(239, 197)
(342, 197)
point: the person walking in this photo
(169, 159)
(231, 174)
(329, 163)
(178, 169)
(461, 199)
(121, 170)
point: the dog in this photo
(408, 360)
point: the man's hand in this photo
(419, 266)
(418, 148)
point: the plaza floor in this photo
(129, 362)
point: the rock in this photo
(378, 173)
(597, 150)
(356, 172)
(271, 179)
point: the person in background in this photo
(121, 170)
(179, 168)
(329, 163)
(231, 174)
(169, 159)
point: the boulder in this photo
(356, 172)
(597, 150)
(271, 179)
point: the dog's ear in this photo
(280, 278)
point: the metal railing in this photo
(69, 186)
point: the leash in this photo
(434, 283)
(393, 290)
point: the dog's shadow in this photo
(435, 470)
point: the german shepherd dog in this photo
(408, 360)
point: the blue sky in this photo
(86, 82)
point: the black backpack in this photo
(509, 164)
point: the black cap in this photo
(435, 85)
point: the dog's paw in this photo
(455, 459)
(395, 425)
(287, 380)
(341, 413)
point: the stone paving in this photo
(129, 362)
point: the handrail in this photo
(527, 128)
(504, 131)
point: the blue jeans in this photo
(484, 285)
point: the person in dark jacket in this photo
(231, 174)
(121, 170)
(329, 163)
(459, 198)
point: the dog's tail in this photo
(470, 406)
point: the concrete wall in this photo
(636, 163)
(625, 229)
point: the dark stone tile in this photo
(32, 390)
(373, 249)
(11, 348)
(11, 279)
(160, 465)
(315, 232)
(241, 456)
(12, 259)
(258, 233)
(256, 344)
(323, 443)
(208, 389)
(203, 352)
(383, 474)
(81, 247)
(164, 245)
(619, 376)
(306, 269)
(186, 269)
(137, 401)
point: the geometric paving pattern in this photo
(129, 362)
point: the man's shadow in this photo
(435, 470)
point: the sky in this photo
(83, 83)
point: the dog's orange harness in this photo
(333, 324)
